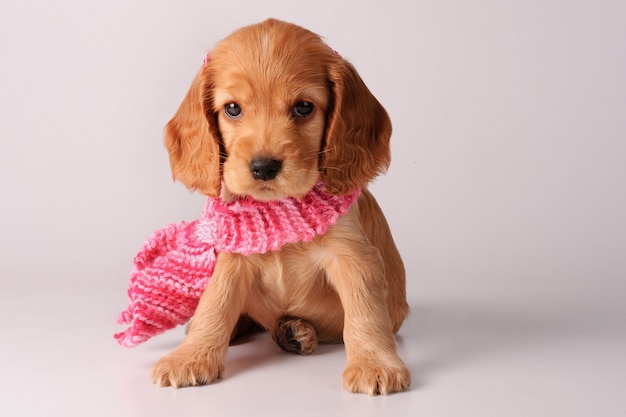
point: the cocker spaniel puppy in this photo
(273, 112)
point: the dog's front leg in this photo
(201, 356)
(373, 365)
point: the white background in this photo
(506, 195)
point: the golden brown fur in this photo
(346, 285)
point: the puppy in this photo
(271, 113)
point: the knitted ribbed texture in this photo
(175, 264)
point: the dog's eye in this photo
(232, 110)
(303, 109)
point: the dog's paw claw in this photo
(181, 370)
(375, 378)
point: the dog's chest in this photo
(288, 276)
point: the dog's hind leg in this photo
(295, 335)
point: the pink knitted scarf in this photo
(175, 264)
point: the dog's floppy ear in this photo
(356, 146)
(192, 139)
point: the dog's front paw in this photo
(186, 367)
(374, 377)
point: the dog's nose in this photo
(265, 168)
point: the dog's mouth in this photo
(270, 190)
(266, 191)
(273, 191)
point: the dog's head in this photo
(272, 112)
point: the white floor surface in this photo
(468, 358)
